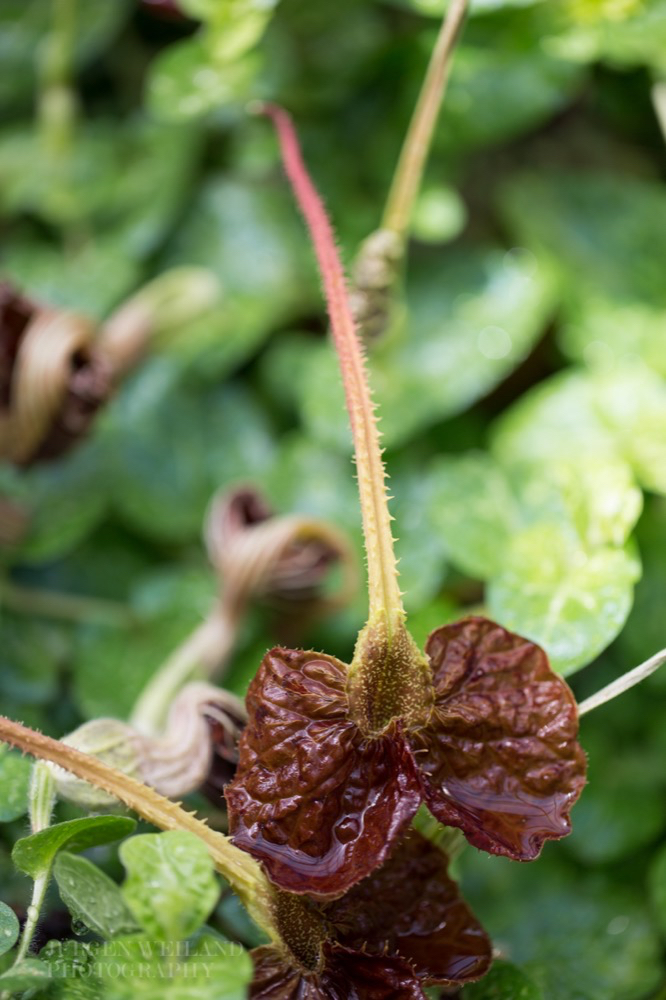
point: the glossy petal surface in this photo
(500, 754)
(317, 802)
(411, 907)
(346, 975)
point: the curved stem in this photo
(623, 683)
(409, 171)
(384, 594)
(241, 871)
(72, 607)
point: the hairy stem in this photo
(384, 594)
(241, 871)
(623, 683)
(409, 171)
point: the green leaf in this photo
(171, 885)
(14, 781)
(9, 928)
(610, 310)
(504, 982)
(92, 898)
(27, 975)
(473, 511)
(619, 414)
(658, 889)
(35, 854)
(578, 936)
(73, 969)
(472, 317)
(566, 599)
(140, 968)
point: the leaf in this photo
(209, 968)
(92, 897)
(474, 512)
(9, 928)
(35, 854)
(611, 310)
(28, 974)
(472, 316)
(658, 889)
(14, 781)
(73, 969)
(504, 982)
(170, 886)
(500, 752)
(576, 935)
(568, 600)
(410, 907)
(318, 804)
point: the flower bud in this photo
(373, 279)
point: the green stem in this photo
(42, 797)
(241, 871)
(72, 607)
(57, 100)
(411, 164)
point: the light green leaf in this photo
(9, 928)
(14, 781)
(473, 511)
(91, 897)
(208, 968)
(35, 854)
(504, 982)
(171, 886)
(570, 601)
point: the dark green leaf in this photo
(35, 854)
(91, 897)
(9, 928)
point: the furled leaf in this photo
(9, 928)
(500, 752)
(35, 854)
(171, 886)
(318, 803)
(504, 982)
(571, 601)
(92, 897)
(14, 780)
(410, 907)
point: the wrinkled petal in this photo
(410, 907)
(346, 975)
(314, 799)
(500, 756)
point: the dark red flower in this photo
(402, 927)
(321, 802)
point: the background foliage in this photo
(521, 388)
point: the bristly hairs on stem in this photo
(385, 599)
(409, 171)
(623, 683)
(241, 871)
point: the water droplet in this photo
(79, 928)
(494, 342)
(618, 925)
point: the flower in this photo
(402, 927)
(493, 751)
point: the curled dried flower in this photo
(178, 761)
(282, 560)
(51, 382)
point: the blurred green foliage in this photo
(521, 388)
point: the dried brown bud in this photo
(51, 382)
(373, 280)
(283, 560)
